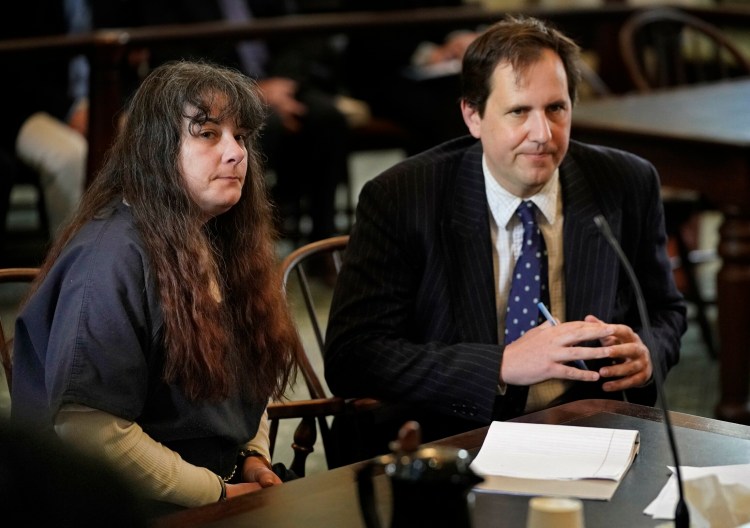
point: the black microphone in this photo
(681, 514)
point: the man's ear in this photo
(472, 118)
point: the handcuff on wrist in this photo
(241, 457)
(249, 453)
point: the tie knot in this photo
(526, 211)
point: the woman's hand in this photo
(256, 470)
(256, 475)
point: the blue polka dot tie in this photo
(529, 282)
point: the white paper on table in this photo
(531, 459)
(663, 506)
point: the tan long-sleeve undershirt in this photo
(160, 473)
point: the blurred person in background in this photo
(46, 106)
(409, 75)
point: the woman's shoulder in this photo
(108, 246)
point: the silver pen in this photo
(547, 315)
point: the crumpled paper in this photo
(717, 496)
(716, 505)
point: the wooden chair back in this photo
(297, 265)
(7, 276)
(665, 47)
(297, 281)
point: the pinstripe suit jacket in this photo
(413, 318)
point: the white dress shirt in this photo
(507, 238)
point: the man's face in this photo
(526, 125)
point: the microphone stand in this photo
(681, 515)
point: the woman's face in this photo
(213, 161)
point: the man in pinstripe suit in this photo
(415, 319)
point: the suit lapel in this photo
(467, 237)
(591, 266)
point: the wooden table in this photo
(329, 499)
(698, 138)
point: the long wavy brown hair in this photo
(213, 349)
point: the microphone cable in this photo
(681, 515)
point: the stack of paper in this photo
(556, 460)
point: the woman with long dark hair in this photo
(157, 330)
